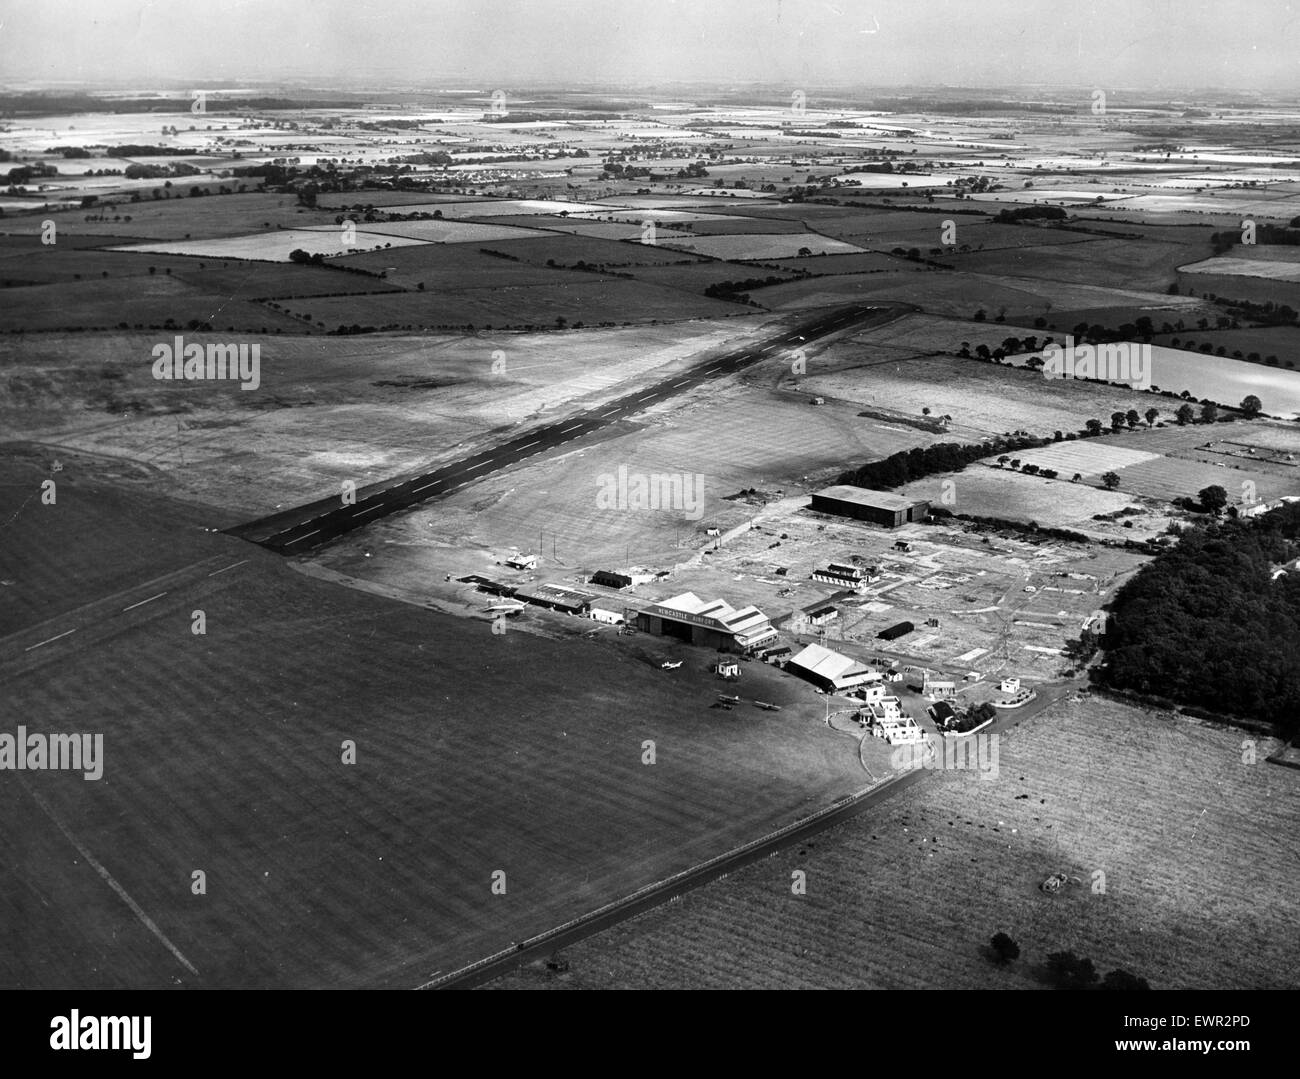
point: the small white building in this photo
(608, 618)
(885, 708)
(522, 561)
(939, 691)
(900, 731)
(1010, 685)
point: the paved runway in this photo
(305, 527)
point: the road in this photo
(300, 529)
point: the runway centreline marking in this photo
(224, 568)
(49, 639)
(300, 538)
(143, 602)
(370, 510)
(426, 487)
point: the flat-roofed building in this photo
(899, 731)
(711, 623)
(611, 578)
(879, 507)
(555, 598)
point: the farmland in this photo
(1188, 842)
(234, 766)
(483, 277)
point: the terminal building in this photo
(555, 598)
(710, 623)
(878, 507)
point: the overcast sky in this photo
(1145, 44)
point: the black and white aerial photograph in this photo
(682, 495)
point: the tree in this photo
(1132, 418)
(1068, 971)
(1093, 427)
(1184, 414)
(1122, 979)
(1111, 480)
(1251, 405)
(1004, 949)
(1116, 420)
(1151, 414)
(1209, 412)
(1212, 498)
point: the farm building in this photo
(555, 598)
(610, 579)
(711, 623)
(878, 507)
(895, 631)
(828, 669)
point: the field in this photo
(981, 398)
(393, 403)
(134, 302)
(750, 246)
(960, 295)
(275, 246)
(1189, 843)
(176, 218)
(729, 441)
(539, 291)
(578, 298)
(474, 753)
(434, 232)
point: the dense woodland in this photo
(1206, 624)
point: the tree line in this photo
(907, 465)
